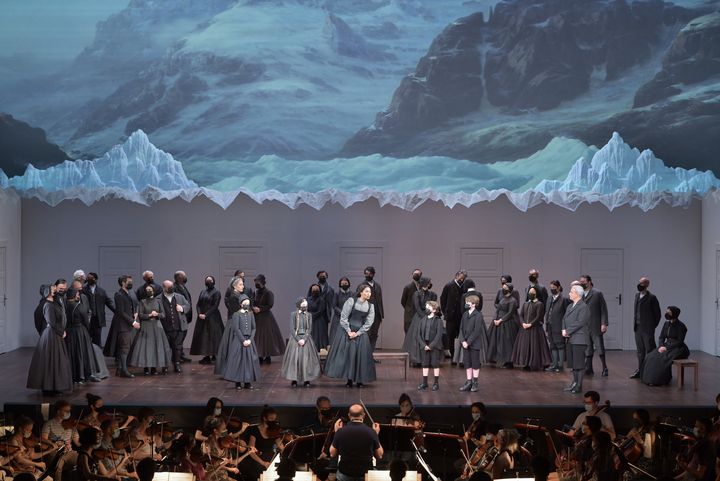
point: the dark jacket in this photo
(183, 291)
(174, 321)
(376, 300)
(98, 302)
(451, 302)
(576, 322)
(124, 311)
(595, 301)
(541, 291)
(406, 301)
(434, 328)
(646, 313)
(471, 326)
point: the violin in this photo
(230, 442)
(100, 454)
(235, 425)
(276, 431)
(75, 424)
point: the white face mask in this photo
(26, 435)
(588, 407)
(475, 416)
(116, 434)
(217, 411)
(66, 415)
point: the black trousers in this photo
(452, 328)
(645, 343)
(595, 342)
(429, 359)
(175, 340)
(95, 331)
(374, 331)
(471, 358)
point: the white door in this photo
(353, 261)
(248, 258)
(605, 266)
(3, 300)
(717, 302)
(484, 266)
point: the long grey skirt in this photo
(351, 358)
(150, 348)
(50, 365)
(301, 363)
(269, 339)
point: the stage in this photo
(498, 387)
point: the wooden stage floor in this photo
(498, 387)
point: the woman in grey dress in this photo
(301, 362)
(50, 365)
(79, 344)
(503, 329)
(343, 294)
(350, 355)
(150, 348)
(237, 357)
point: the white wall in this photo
(662, 244)
(10, 208)
(709, 276)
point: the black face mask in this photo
(553, 291)
(584, 286)
(532, 296)
(325, 412)
(506, 292)
(429, 311)
(668, 316)
(315, 293)
(169, 290)
(532, 279)
(416, 277)
(150, 281)
(637, 424)
(129, 285)
(322, 280)
(344, 286)
(272, 424)
(91, 282)
(369, 278)
(209, 284)
(258, 285)
(640, 287)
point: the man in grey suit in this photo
(175, 307)
(598, 324)
(575, 328)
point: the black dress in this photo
(208, 331)
(79, 344)
(411, 344)
(268, 337)
(657, 369)
(531, 348)
(338, 302)
(352, 358)
(50, 364)
(501, 339)
(318, 310)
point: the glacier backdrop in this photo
(404, 101)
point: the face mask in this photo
(303, 308)
(584, 286)
(26, 435)
(428, 311)
(476, 416)
(506, 292)
(209, 284)
(369, 278)
(97, 446)
(640, 287)
(469, 305)
(416, 277)
(325, 412)
(245, 307)
(217, 411)
(150, 280)
(116, 434)
(532, 279)
(150, 293)
(696, 432)
(322, 280)
(315, 293)
(637, 424)
(91, 282)
(344, 286)
(99, 409)
(258, 285)
(532, 296)
(588, 407)
(169, 290)
(272, 424)
(668, 316)
(129, 285)
(61, 292)
(66, 416)
(553, 291)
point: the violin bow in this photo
(367, 412)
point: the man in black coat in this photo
(99, 300)
(121, 328)
(646, 319)
(149, 279)
(181, 288)
(406, 299)
(542, 293)
(452, 308)
(575, 328)
(595, 301)
(377, 301)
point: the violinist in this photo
(111, 461)
(602, 464)
(213, 409)
(25, 458)
(407, 415)
(266, 438)
(699, 465)
(87, 466)
(582, 452)
(322, 417)
(478, 429)
(60, 430)
(96, 416)
(591, 402)
(643, 436)
(221, 465)
(183, 452)
(145, 438)
(496, 462)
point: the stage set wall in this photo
(710, 274)
(662, 244)
(11, 336)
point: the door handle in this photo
(620, 299)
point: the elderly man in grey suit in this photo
(598, 324)
(575, 328)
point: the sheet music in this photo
(165, 476)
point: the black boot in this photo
(554, 356)
(588, 366)
(574, 381)
(561, 360)
(423, 385)
(467, 386)
(578, 386)
(474, 385)
(123, 367)
(178, 369)
(146, 371)
(436, 384)
(605, 371)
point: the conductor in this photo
(356, 444)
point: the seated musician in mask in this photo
(700, 462)
(506, 443)
(643, 436)
(591, 402)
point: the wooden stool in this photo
(681, 365)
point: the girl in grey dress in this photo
(350, 355)
(237, 357)
(301, 362)
(150, 348)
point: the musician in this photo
(506, 443)
(96, 407)
(54, 431)
(398, 470)
(222, 465)
(645, 438)
(322, 416)
(213, 409)
(356, 444)
(266, 438)
(407, 415)
(591, 401)
(108, 466)
(180, 453)
(286, 470)
(582, 452)
(145, 439)
(25, 459)
(699, 465)
(145, 470)
(87, 467)
(477, 432)
(602, 465)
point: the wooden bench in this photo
(380, 356)
(681, 365)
